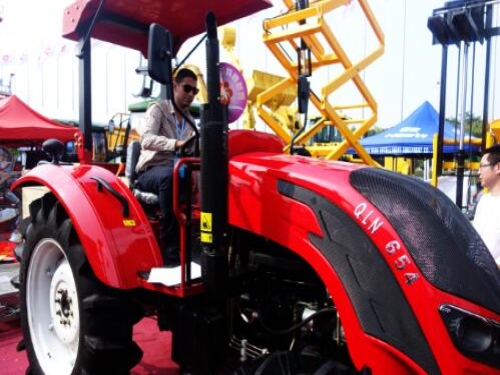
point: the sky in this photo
(408, 73)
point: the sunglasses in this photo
(188, 88)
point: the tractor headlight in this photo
(475, 336)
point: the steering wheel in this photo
(183, 149)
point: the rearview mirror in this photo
(160, 55)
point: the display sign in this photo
(233, 89)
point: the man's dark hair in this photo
(493, 154)
(184, 73)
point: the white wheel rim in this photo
(52, 308)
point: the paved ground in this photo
(155, 344)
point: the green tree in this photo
(473, 124)
(374, 130)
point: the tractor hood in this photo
(126, 22)
(442, 243)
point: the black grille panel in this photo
(444, 245)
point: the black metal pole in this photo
(442, 110)
(461, 152)
(85, 97)
(214, 173)
(489, 21)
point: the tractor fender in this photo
(115, 233)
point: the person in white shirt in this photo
(487, 217)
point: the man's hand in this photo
(179, 144)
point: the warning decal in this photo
(129, 222)
(206, 221)
(206, 237)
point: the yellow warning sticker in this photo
(206, 221)
(206, 237)
(129, 222)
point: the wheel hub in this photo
(52, 308)
(64, 313)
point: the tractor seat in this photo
(133, 152)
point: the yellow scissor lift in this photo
(309, 27)
(494, 130)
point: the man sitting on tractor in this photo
(164, 134)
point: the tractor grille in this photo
(443, 243)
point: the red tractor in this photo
(307, 266)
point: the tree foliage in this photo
(473, 124)
(374, 130)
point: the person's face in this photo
(489, 174)
(184, 92)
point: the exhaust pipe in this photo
(214, 172)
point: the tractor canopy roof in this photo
(126, 22)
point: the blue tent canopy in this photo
(414, 136)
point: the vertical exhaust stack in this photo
(214, 172)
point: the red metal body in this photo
(117, 251)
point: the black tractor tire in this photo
(72, 323)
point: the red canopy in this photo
(126, 22)
(20, 125)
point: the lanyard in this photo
(179, 127)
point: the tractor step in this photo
(171, 276)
